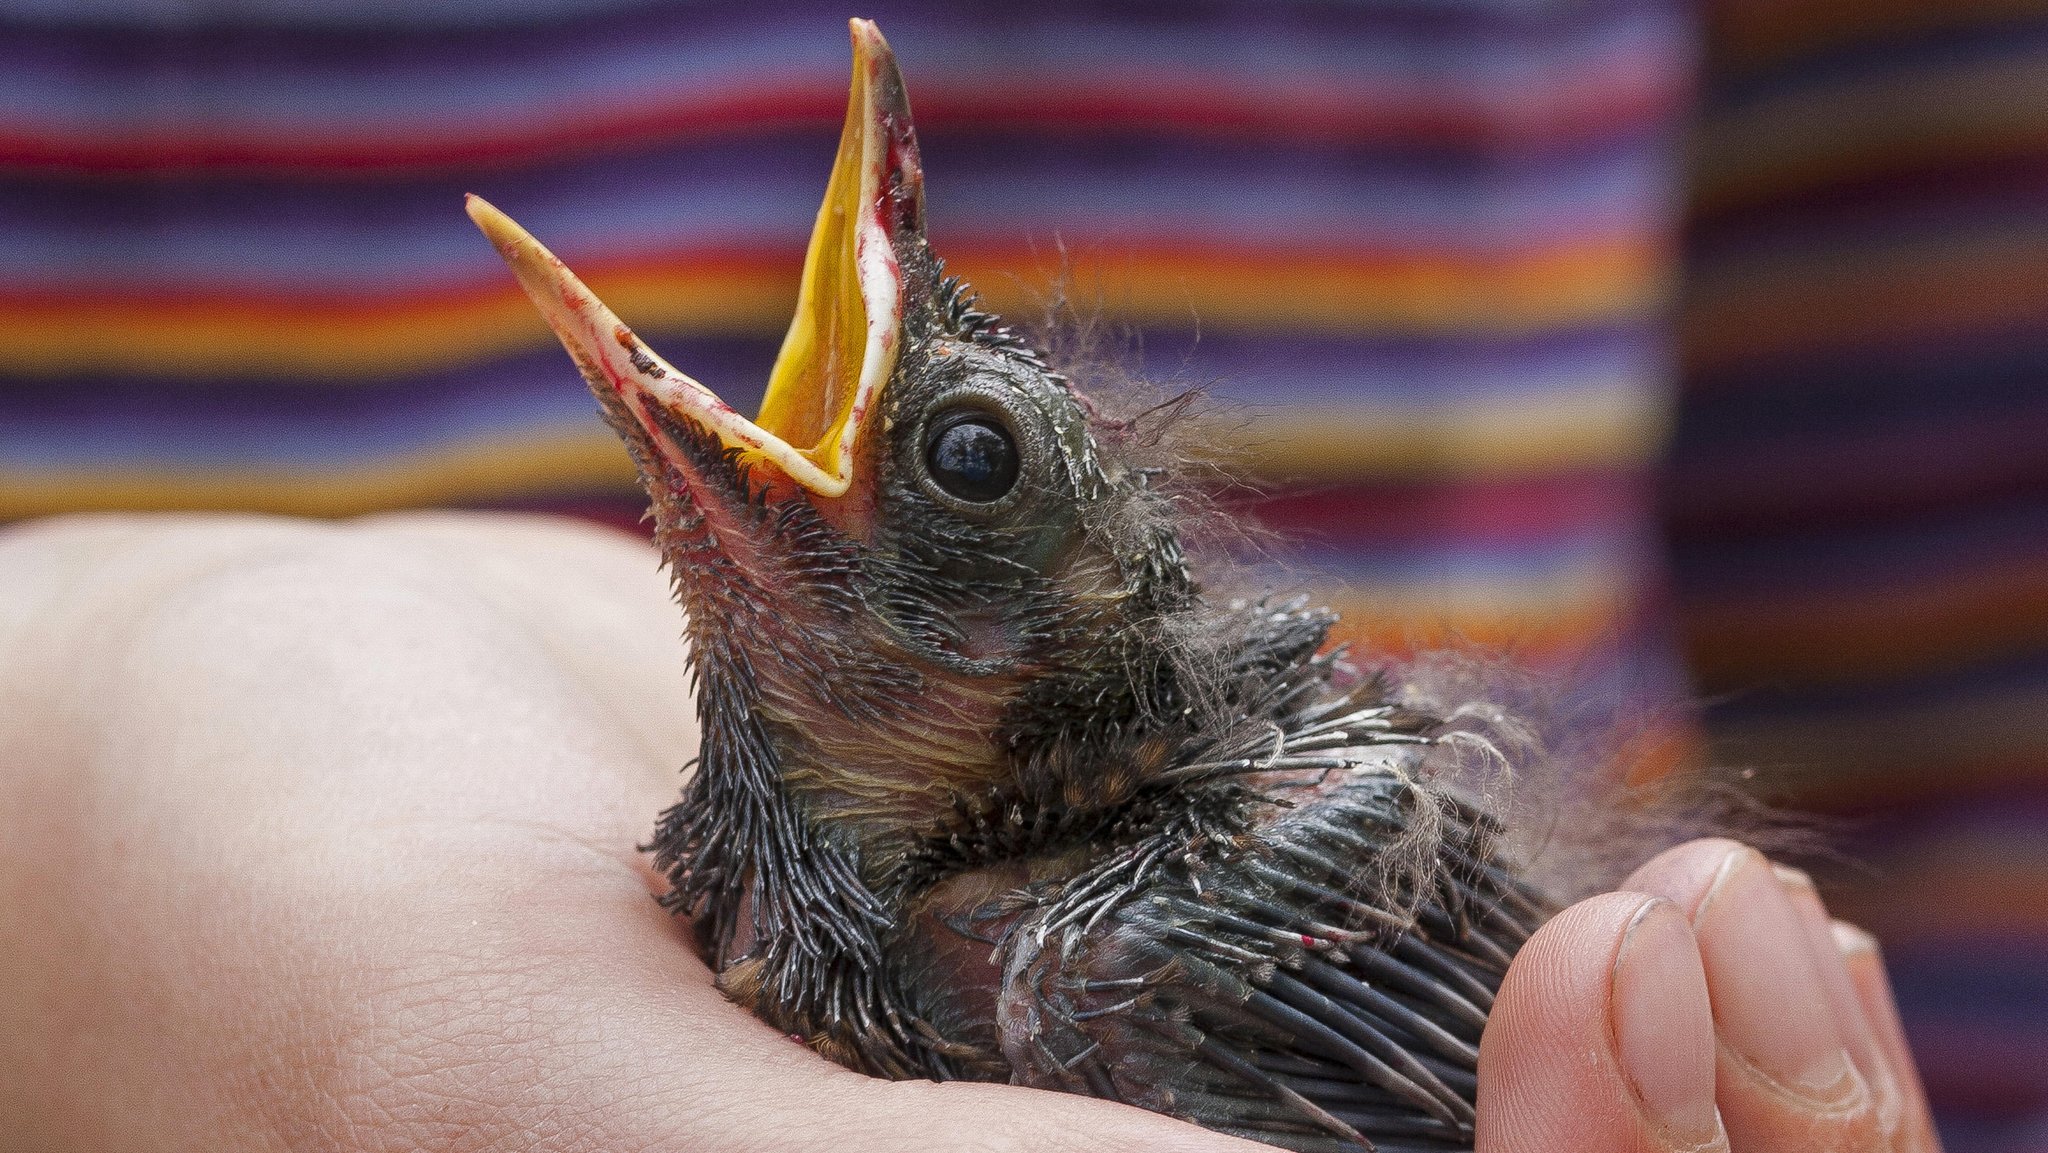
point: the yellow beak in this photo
(842, 344)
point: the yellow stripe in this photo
(1595, 430)
(1534, 618)
(1610, 426)
(1604, 426)
(340, 338)
(479, 472)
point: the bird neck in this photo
(1097, 759)
(781, 911)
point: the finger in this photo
(1601, 1039)
(1785, 1076)
(1871, 1061)
(1874, 990)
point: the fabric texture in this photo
(1858, 489)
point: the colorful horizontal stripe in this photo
(755, 197)
(269, 96)
(1858, 495)
(1319, 289)
(1427, 242)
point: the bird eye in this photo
(973, 459)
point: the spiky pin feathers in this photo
(988, 788)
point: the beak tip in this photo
(537, 269)
(497, 227)
(873, 56)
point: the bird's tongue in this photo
(843, 342)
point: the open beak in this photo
(842, 345)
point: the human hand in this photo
(321, 836)
(1712, 979)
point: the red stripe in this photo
(1585, 111)
(1502, 512)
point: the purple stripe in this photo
(119, 423)
(259, 79)
(1968, 369)
(370, 32)
(1611, 546)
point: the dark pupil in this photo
(973, 460)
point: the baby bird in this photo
(989, 788)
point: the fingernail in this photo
(1664, 1024)
(1861, 953)
(1851, 941)
(1831, 943)
(1829, 964)
(1825, 941)
(1770, 1001)
(1794, 879)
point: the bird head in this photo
(904, 573)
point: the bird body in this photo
(990, 787)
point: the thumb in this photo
(1602, 1038)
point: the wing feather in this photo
(1319, 982)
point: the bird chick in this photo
(989, 788)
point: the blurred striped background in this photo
(1526, 368)
(1858, 488)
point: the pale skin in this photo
(321, 837)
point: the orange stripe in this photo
(1766, 308)
(1953, 890)
(249, 335)
(1545, 626)
(202, 335)
(1663, 749)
